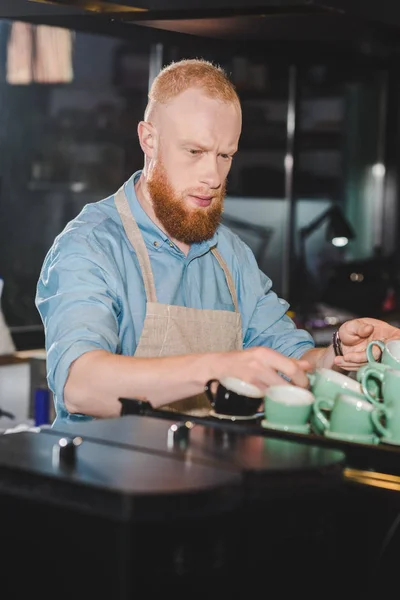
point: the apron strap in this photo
(228, 277)
(136, 239)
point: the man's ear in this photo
(147, 138)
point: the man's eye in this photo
(226, 156)
(194, 152)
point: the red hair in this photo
(192, 73)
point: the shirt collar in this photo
(150, 231)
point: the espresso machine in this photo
(113, 508)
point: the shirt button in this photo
(156, 244)
(171, 244)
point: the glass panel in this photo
(62, 145)
(256, 190)
(255, 206)
(340, 145)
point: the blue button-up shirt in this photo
(90, 293)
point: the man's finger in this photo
(271, 377)
(356, 329)
(305, 364)
(365, 331)
(300, 378)
(351, 358)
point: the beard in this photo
(187, 225)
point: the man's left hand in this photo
(355, 336)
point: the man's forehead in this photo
(195, 132)
(195, 101)
(202, 117)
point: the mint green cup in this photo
(370, 375)
(326, 384)
(386, 415)
(288, 408)
(390, 356)
(371, 379)
(350, 418)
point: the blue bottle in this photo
(42, 407)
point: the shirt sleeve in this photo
(78, 303)
(269, 325)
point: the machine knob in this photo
(64, 452)
(178, 434)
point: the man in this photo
(145, 295)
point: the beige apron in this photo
(176, 330)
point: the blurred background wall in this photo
(320, 139)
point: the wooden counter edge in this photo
(22, 356)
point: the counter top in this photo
(22, 356)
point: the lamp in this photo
(338, 233)
(338, 230)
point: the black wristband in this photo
(337, 344)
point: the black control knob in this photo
(178, 434)
(64, 452)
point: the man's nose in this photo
(210, 175)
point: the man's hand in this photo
(262, 367)
(355, 336)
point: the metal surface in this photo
(134, 515)
(227, 446)
(263, 21)
(126, 522)
(156, 62)
(290, 165)
(385, 11)
(26, 8)
(374, 479)
(295, 493)
(119, 482)
(379, 173)
(383, 458)
(98, 6)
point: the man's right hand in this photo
(263, 367)
(98, 378)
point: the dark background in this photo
(319, 91)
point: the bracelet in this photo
(337, 344)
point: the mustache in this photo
(204, 193)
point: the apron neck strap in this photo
(228, 277)
(136, 239)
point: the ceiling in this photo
(368, 26)
(386, 12)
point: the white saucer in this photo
(385, 440)
(291, 428)
(360, 439)
(212, 413)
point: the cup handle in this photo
(370, 356)
(328, 403)
(375, 418)
(207, 389)
(379, 374)
(311, 378)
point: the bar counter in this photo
(141, 505)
